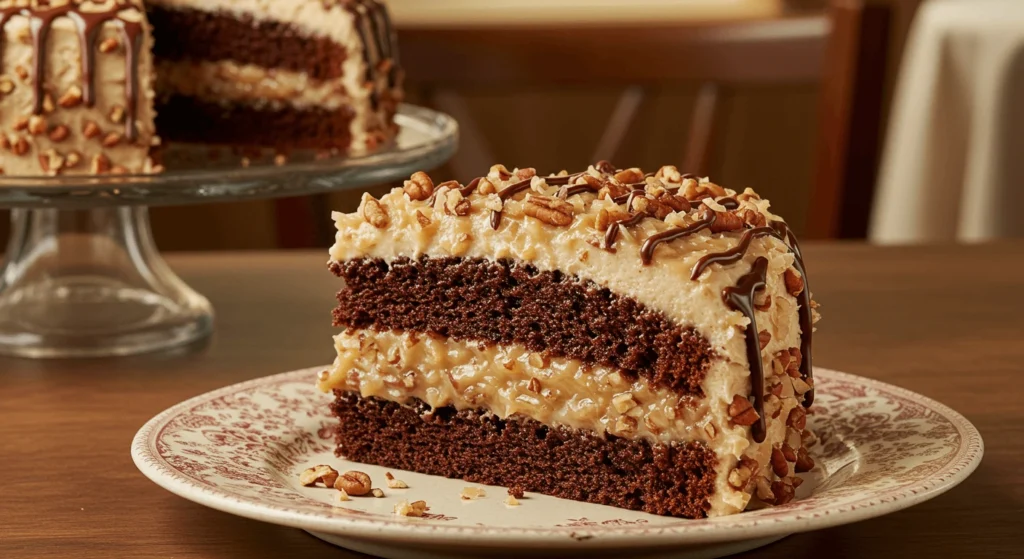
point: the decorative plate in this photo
(240, 450)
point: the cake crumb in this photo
(511, 501)
(472, 493)
(395, 483)
(377, 492)
(516, 491)
(416, 508)
(343, 496)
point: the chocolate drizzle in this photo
(88, 25)
(376, 33)
(652, 242)
(612, 234)
(505, 194)
(469, 188)
(741, 298)
(734, 254)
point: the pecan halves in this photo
(550, 210)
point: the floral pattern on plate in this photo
(240, 450)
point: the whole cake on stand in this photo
(98, 98)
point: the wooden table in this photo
(946, 322)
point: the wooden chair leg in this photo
(850, 114)
(619, 124)
(697, 159)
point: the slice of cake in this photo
(82, 81)
(629, 339)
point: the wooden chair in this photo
(845, 49)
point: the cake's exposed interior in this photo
(638, 340)
(92, 86)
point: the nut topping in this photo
(726, 221)
(374, 213)
(112, 139)
(794, 283)
(783, 492)
(109, 45)
(415, 509)
(394, 483)
(90, 129)
(59, 133)
(472, 493)
(549, 210)
(354, 483)
(764, 337)
(116, 114)
(797, 418)
(804, 462)
(788, 452)
(606, 218)
(100, 164)
(318, 474)
(71, 98)
(630, 176)
(20, 146)
(419, 187)
(779, 464)
(36, 125)
(742, 411)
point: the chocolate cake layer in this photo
(674, 480)
(186, 34)
(185, 119)
(509, 302)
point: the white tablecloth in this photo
(953, 166)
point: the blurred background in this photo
(794, 98)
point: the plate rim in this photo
(965, 460)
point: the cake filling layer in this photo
(508, 380)
(185, 34)
(506, 302)
(667, 479)
(227, 81)
(192, 120)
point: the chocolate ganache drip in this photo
(88, 25)
(741, 298)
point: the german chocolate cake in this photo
(629, 339)
(94, 86)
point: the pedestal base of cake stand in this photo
(451, 550)
(90, 283)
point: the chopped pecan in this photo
(630, 176)
(726, 221)
(765, 303)
(794, 283)
(423, 220)
(71, 98)
(764, 337)
(651, 206)
(804, 462)
(797, 418)
(742, 411)
(669, 173)
(788, 452)
(753, 218)
(606, 218)
(744, 472)
(783, 492)
(419, 187)
(677, 203)
(550, 210)
(374, 214)
(779, 464)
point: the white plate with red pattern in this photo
(241, 449)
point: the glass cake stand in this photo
(83, 277)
